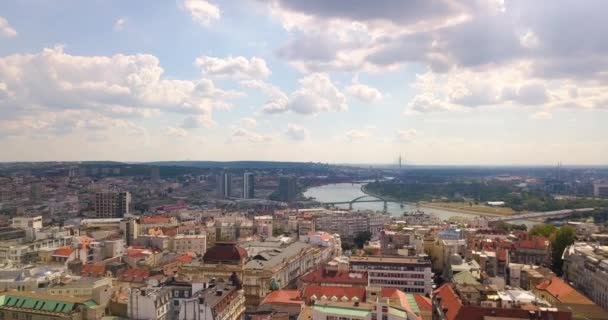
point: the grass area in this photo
(466, 207)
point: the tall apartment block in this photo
(111, 204)
(224, 185)
(248, 185)
(288, 189)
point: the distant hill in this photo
(239, 164)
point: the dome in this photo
(228, 253)
(455, 259)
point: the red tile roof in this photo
(526, 241)
(424, 303)
(225, 252)
(284, 297)
(330, 291)
(93, 270)
(63, 252)
(396, 296)
(562, 291)
(322, 275)
(134, 275)
(155, 220)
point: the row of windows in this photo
(397, 275)
(397, 282)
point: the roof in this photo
(155, 220)
(562, 291)
(398, 299)
(272, 258)
(134, 275)
(464, 277)
(322, 275)
(94, 269)
(42, 302)
(63, 252)
(423, 303)
(527, 241)
(284, 297)
(343, 311)
(226, 253)
(334, 291)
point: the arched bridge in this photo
(360, 199)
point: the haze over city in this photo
(440, 82)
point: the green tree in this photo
(545, 230)
(561, 239)
(361, 238)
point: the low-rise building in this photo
(586, 267)
(410, 274)
(149, 303)
(564, 297)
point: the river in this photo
(349, 191)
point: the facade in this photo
(218, 302)
(586, 267)
(27, 222)
(112, 204)
(248, 185)
(600, 190)
(348, 223)
(148, 304)
(563, 296)
(196, 243)
(410, 274)
(288, 189)
(224, 183)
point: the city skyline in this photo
(441, 83)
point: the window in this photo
(384, 317)
(384, 310)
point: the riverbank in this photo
(466, 208)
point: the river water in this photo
(348, 191)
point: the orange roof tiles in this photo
(284, 297)
(93, 270)
(563, 291)
(155, 220)
(134, 275)
(322, 275)
(63, 251)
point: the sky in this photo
(471, 82)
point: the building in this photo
(600, 190)
(288, 189)
(410, 274)
(586, 268)
(196, 243)
(224, 183)
(216, 302)
(529, 249)
(155, 174)
(350, 223)
(283, 301)
(39, 306)
(148, 303)
(112, 204)
(27, 222)
(248, 185)
(481, 302)
(564, 297)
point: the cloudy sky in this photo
(438, 81)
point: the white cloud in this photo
(120, 24)
(542, 115)
(357, 135)
(118, 86)
(198, 121)
(406, 135)
(6, 30)
(316, 94)
(296, 132)
(248, 122)
(364, 92)
(245, 135)
(203, 12)
(235, 67)
(176, 132)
